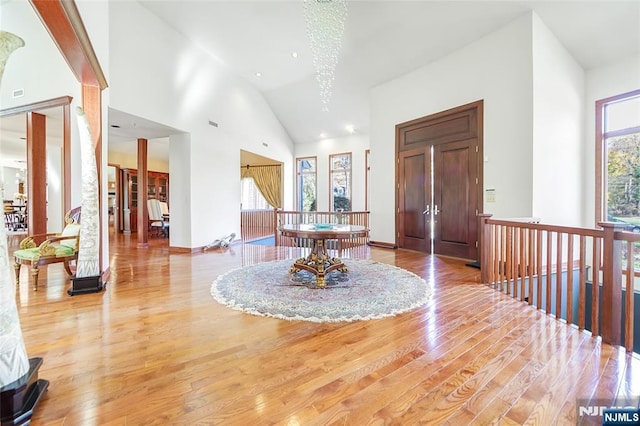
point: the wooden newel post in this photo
(484, 246)
(611, 283)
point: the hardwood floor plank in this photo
(155, 348)
(420, 375)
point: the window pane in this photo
(623, 114)
(306, 184)
(251, 196)
(308, 193)
(341, 182)
(623, 177)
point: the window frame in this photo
(350, 183)
(601, 149)
(299, 175)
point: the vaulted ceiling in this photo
(382, 41)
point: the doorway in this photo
(439, 181)
(113, 196)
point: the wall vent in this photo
(213, 123)
(18, 93)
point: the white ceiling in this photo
(383, 40)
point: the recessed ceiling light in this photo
(294, 55)
(323, 135)
(258, 74)
(350, 129)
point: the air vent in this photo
(18, 93)
(213, 123)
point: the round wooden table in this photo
(318, 262)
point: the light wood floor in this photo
(156, 349)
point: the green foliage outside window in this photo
(623, 176)
(341, 203)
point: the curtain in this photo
(268, 180)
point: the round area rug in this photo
(370, 290)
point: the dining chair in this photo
(157, 223)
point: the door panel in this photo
(454, 195)
(414, 197)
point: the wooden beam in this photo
(37, 173)
(36, 106)
(143, 184)
(63, 21)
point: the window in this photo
(251, 196)
(306, 184)
(340, 181)
(618, 139)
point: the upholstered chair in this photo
(44, 249)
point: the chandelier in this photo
(325, 26)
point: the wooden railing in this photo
(556, 268)
(257, 224)
(294, 217)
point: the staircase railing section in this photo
(583, 276)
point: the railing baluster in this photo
(531, 263)
(559, 274)
(509, 258)
(539, 268)
(488, 252)
(570, 278)
(582, 289)
(549, 271)
(503, 260)
(628, 320)
(595, 289)
(522, 262)
(498, 258)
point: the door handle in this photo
(426, 211)
(435, 210)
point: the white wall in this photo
(356, 145)
(180, 153)
(158, 75)
(38, 67)
(42, 72)
(496, 68)
(558, 126)
(128, 161)
(601, 83)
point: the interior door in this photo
(414, 200)
(439, 181)
(455, 199)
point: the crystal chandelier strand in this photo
(325, 21)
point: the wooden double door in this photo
(439, 181)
